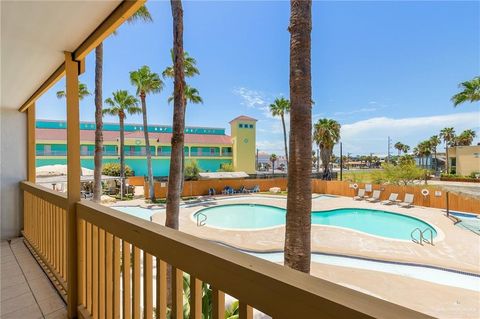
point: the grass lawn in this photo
(360, 176)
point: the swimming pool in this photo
(136, 211)
(374, 222)
(469, 222)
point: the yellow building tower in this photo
(243, 131)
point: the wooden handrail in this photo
(57, 198)
(271, 288)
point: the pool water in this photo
(374, 222)
(468, 221)
(139, 212)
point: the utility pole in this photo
(388, 152)
(256, 161)
(341, 162)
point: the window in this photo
(240, 125)
(212, 151)
(250, 126)
(47, 149)
(84, 150)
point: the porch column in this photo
(31, 150)
(72, 69)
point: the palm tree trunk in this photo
(299, 198)
(122, 153)
(147, 148)
(98, 155)
(285, 138)
(175, 174)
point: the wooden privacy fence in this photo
(437, 197)
(199, 188)
(45, 230)
(123, 262)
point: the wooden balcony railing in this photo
(45, 230)
(123, 262)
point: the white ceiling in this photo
(34, 35)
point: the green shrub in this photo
(226, 167)
(192, 170)
(474, 174)
(113, 169)
(405, 173)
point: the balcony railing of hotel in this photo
(122, 264)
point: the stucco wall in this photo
(13, 169)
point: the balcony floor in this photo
(26, 291)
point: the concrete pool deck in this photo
(454, 248)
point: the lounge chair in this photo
(255, 189)
(211, 191)
(360, 194)
(375, 197)
(242, 189)
(391, 200)
(407, 201)
(227, 190)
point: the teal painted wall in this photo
(161, 167)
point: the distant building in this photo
(210, 147)
(464, 160)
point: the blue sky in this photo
(379, 68)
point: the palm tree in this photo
(425, 148)
(399, 147)
(190, 67)
(405, 148)
(142, 14)
(470, 93)
(280, 107)
(146, 82)
(434, 142)
(466, 138)
(82, 92)
(122, 104)
(326, 133)
(448, 135)
(273, 159)
(299, 198)
(193, 96)
(178, 134)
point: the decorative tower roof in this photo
(243, 118)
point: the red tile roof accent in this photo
(111, 136)
(243, 118)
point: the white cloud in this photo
(251, 98)
(362, 110)
(371, 135)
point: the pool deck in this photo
(454, 248)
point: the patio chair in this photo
(360, 194)
(375, 197)
(407, 201)
(391, 200)
(211, 191)
(242, 189)
(227, 190)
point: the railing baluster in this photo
(161, 289)
(89, 266)
(81, 261)
(195, 298)
(126, 302)
(116, 277)
(218, 304)
(136, 283)
(245, 311)
(177, 294)
(101, 273)
(95, 271)
(109, 275)
(147, 286)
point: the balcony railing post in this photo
(73, 179)
(31, 173)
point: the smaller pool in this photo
(469, 222)
(136, 211)
(371, 221)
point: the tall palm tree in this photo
(424, 148)
(470, 92)
(405, 148)
(122, 103)
(399, 147)
(326, 133)
(434, 142)
(82, 92)
(299, 198)
(281, 107)
(146, 82)
(273, 159)
(466, 138)
(178, 134)
(190, 66)
(447, 134)
(142, 14)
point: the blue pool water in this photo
(139, 212)
(375, 222)
(469, 222)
